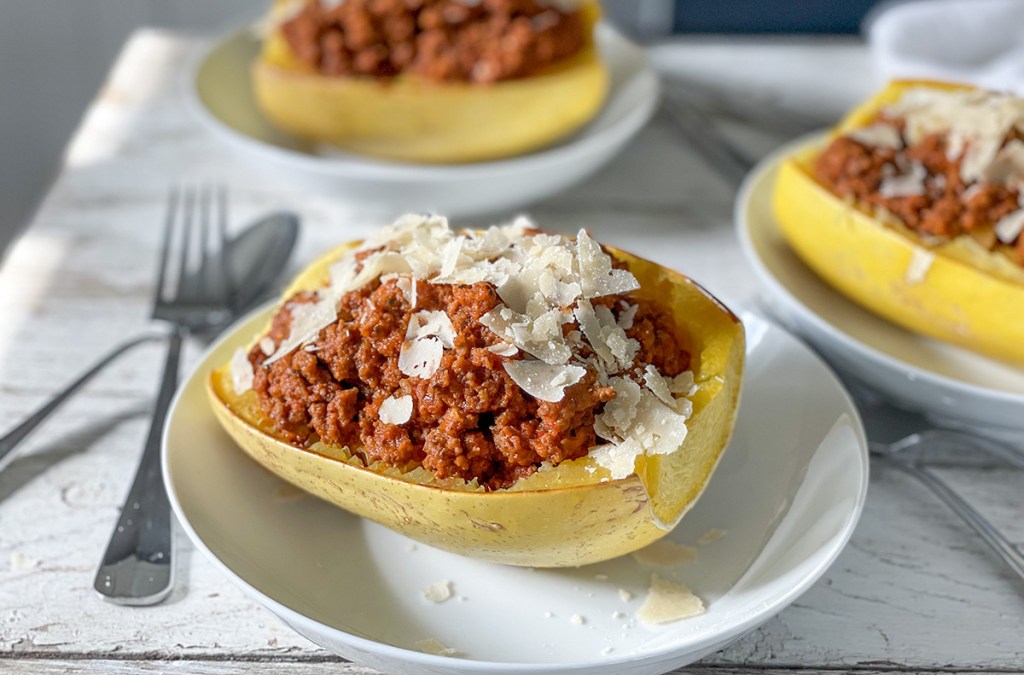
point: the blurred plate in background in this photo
(220, 94)
(950, 384)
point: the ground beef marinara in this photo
(469, 419)
(446, 40)
(920, 179)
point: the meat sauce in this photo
(444, 40)
(469, 420)
(947, 207)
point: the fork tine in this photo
(173, 199)
(204, 221)
(189, 205)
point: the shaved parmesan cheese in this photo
(618, 458)
(910, 184)
(503, 349)
(540, 337)
(1009, 227)
(920, 262)
(420, 358)
(597, 277)
(878, 135)
(266, 346)
(606, 337)
(627, 315)
(439, 591)
(658, 385)
(667, 602)
(683, 384)
(430, 323)
(450, 256)
(406, 286)
(308, 319)
(543, 381)
(395, 410)
(618, 414)
(241, 371)
(665, 553)
(1007, 167)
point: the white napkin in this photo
(978, 42)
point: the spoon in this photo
(257, 255)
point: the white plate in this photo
(220, 94)
(788, 492)
(949, 383)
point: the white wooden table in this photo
(915, 591)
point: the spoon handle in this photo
(11, 440)
(992, 536)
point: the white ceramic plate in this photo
(788, 492)
(220, 94)
(949, 383)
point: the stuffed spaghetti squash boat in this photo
(431, 80)
(509, 395)
(914, 208)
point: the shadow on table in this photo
(22, 470)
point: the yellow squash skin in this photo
(967, 295)
(413, 119)
(560, 516)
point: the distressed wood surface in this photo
(914, 591)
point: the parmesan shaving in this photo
(395, 410)
(241, 371)
(543, 381)
(597, 277)
(431, 324)
(503, 349)
(667, 602)
(878, 135)
(910, 184)
(266, 346)
(658, 385)
(420, 358)
(308, 319)
(920, 262)
(1009, 227)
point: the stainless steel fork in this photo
(194, 290)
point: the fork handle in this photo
(138, 568)
(15, 436)
(993, 537)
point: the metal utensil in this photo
(902, 439)
(256, 257)
(137, 568)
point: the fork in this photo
(194, 290)
(915, 436)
